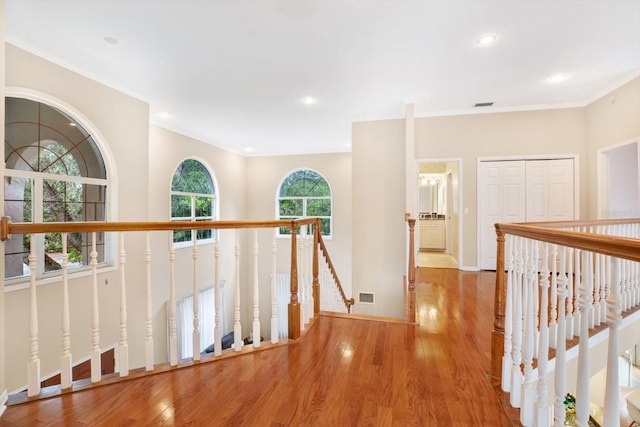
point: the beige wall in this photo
(123, 125)
(264, 176)
(167, 150)
(529, 133)
(611, 120)
(379, 229)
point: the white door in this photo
(502, 199)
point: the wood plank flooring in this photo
(343, 372)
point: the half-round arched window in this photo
(193, 198)
(54, 173)
(305, 193)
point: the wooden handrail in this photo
(620, 247)
(7, 227)
(347, 301)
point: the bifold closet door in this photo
(519, 191)
(502, 199)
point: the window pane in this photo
(78, 248)
(17, 198)
(94, 202)
(291, 207)
(325, 226)
(318, 207)
(192, 177)
(180, 206)
(204, 206)
(204, 234)
(181, 236)
(16, 256)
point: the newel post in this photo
(294, 305)
(411, 273)
(500, 296)
(316, 283)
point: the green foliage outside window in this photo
(305, 193)
(192, 199)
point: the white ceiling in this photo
(232, 73)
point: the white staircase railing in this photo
(565, 280)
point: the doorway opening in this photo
(618, 181)
(438, 235)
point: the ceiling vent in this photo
(483, 104)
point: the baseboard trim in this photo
(467, 268)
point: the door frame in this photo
(480, 182)
(457, 160)
(602, 166)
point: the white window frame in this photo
(111, 183)
(304, 203)
(192, 217)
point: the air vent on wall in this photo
(365, 297)
(483, 104)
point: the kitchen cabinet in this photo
(432, 235)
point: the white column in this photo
(274, 293)
(66, 377)
(148, 342)
(173, 339)
(585, 302)
(196, 315)
(560, 380)
(96, 363)
(217, 331)
(507, 362)
(529, 385)
(124, 346)
(256, 293)
(612, 388)
(516, 373)
(33, 371)
(237, 327)
(542, 402)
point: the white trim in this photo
(4, 396)
(602, 174)
(460, 198)
(22, 282)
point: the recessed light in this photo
(308, 100)
(557, 78)
(487, 39)
(164, 115)
(249, 150)
(111, 40)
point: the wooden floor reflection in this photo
(343, 372)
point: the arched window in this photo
(305, 193)
(193, 198)
(54, 173)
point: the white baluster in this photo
(553, 298)
(124, 346)
(507, 362)
(196, 314)
(561, 350)
(516, 373)
(256, 293)
(585, 302)
(173, 339)
(217, 335)
(148, 342)
(237, 327)
(302, 295)
(274, 294)
(542, 402)
(96, 363)
(66, 376)
(528, 387)
(612, 388)
(570, 293)
(33, 367)
(577, 309)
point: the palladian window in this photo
(305, 193)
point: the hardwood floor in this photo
(343, 372)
